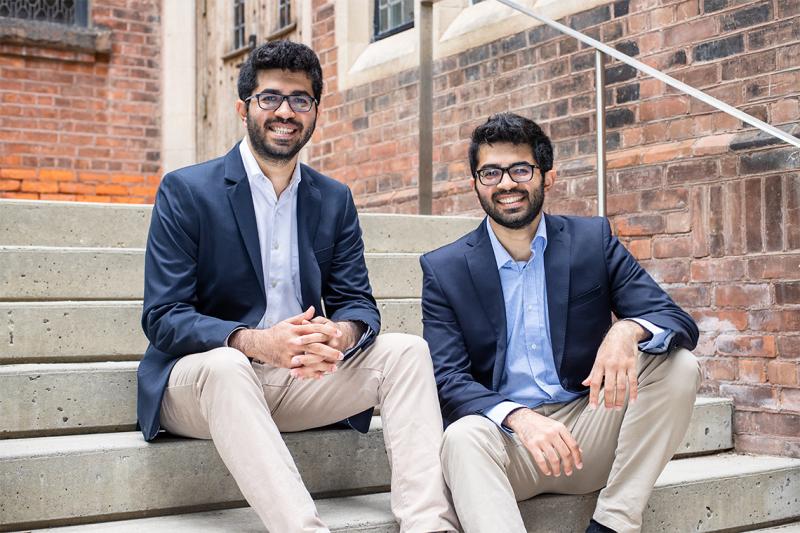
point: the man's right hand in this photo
(549, 442)
(288, 344)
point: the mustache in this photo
(499, 194)
(279, 122)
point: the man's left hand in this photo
(614, 368)
(316, 344)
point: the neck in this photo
(517, 241)
(279, 172)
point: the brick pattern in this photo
(82, 126)
(710, 208)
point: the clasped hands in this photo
(549, 442)
(311, 347)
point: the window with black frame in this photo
(238, 24)
(284, 13)
(69, 12)
(393, 16)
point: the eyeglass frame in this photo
(284, 98)
(505, 170)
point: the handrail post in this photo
(425, 165)
(600, 102)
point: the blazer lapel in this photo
(557, 272)
(241, 200)
(483, 269)
(309, 202)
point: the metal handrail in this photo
(638, 65)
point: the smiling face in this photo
(510, 204)
(279, 135)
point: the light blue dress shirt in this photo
(529, 378)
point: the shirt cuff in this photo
(230, 335)
(660, 340)
(499, 412)
(357, 346)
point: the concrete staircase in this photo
(70, 341)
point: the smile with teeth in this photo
(510, 199)
(282, 131)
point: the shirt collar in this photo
(254, 171)
(501, 255)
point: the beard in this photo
(278, 153)
(521, 217)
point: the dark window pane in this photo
(72, 12)
(392, 16)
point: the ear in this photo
(549, 179)
(241, 110)
(472, 184)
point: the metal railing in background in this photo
(603, 50)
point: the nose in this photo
(506, 183)
(284, 110)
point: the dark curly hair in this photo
(285, 55)
(514, 129)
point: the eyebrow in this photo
(276, 91)
(493, 165)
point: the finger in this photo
(563, 451)
(553, 460)
(307, 359)
(321, 320)
(315, 371)
(326, 329)
(312, 338)
(541, 462)
(609, 387)
(331, 355)
(633, 384)
(621, 386)
(575, 450)
(308, 314)
(595, 381)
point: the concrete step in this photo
(47, 273)
(794, 527)
(81, 331)
(37, 223)
(66, 477)
(70, 398)
(702, 494)
(45, 480)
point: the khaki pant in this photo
(624, 452)
(244, 406)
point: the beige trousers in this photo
(624, 452)
(244, 406)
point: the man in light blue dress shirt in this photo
(534, 378)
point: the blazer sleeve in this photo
(170, 319)
(634, 294)
(346, 291)
(459, 393)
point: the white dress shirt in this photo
(276, 218)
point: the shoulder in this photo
(576, 224)
(445, 254)
(195, 178)
(325, 184)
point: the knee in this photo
(469, 437)
(684, 372)
(409, 349)
(226, 365)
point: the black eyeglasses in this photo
(519, 173)
(300, 103)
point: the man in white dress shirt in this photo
(260, 315)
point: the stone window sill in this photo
(55, 36)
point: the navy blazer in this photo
(589, 275)
(203, 271)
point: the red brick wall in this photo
(77, 125)
(711, 209)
